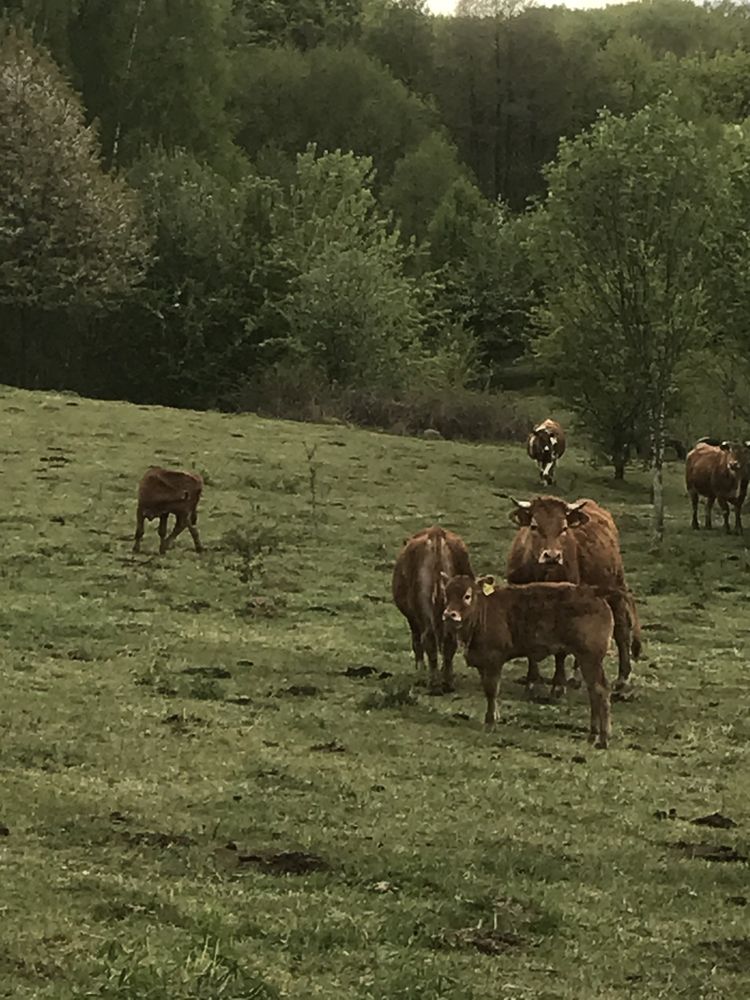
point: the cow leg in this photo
(558, 680)
(180, 525)
(449, 651)
(574, 681)
(163, 520)
(193, 529)
(600, 728)
(622, 637)
(490, 683)
(416, 643)
(709, 508)
(139, 521)
(725, 514)
(738, 517)
(694, 498)
(430, 646)
(533, 678)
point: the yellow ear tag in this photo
(487, 589)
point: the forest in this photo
(357, 209)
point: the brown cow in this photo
(718, 472)
(577, 543)
(545, 445)
(418, 595)
(533, 620)
(162, 492)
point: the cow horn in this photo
(725, 445)
(746, 444)
(577, 505)
(523, 504)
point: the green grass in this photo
(151, 740)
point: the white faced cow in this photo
(545, 445)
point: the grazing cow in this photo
(162, 492)
(545, 445)
(419, 597)
(718, 470)
(533, 620)
(577, 543)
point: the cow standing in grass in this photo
(545, 445)
(577, 543)
(718, 471)
(418, 594)
(534, 620)
(162, 492)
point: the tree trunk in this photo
(657, 462)
(619, 464)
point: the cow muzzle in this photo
(451, 615)
(551, 557)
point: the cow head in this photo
(548, 521)
(462, 595)
(735, 455)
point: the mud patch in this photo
(715, 820)
(363, 671)
(282, 862)
(708, 852)
(153, 838)
(299, 691)
(218, 673)
(332, 747)
(732, 953)
(488, 942)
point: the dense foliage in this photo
(356, 198)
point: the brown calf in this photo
(545, 445)
(162, 492)
(418, 595)
(718, 472)
(533, 620)
(577, 543)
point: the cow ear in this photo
(521, 514)
(486, 584)
(575, 515)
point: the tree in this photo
(71, 237)
(354, 315)
(155, 74)
(625, 238)
(420, 181)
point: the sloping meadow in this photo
(221, 779)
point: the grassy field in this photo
(199, 801)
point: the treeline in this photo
(294, 206)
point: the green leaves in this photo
(70, 235)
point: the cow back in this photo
(162, 488)
(416, 574)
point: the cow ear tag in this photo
(487, 589)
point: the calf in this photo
(578, 543)
(718, 471)
(162, 492)
(418, 595)
(545, 445)
(533, 620)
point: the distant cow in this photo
(545, 445)
(418, 595)
(534, 620)
(718, 471)
(578, 543)
(162, 492)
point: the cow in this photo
(162, 492)
(496, 624)
(545, 445)
(419, 597)
(578, 543)
(718, 470)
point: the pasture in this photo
(220, 781)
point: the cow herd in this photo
(565, 591)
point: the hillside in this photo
(167, 722)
